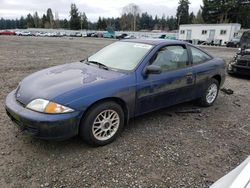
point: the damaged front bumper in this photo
(233, 68)
(40, 125)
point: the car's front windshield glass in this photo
(121, 55)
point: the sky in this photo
(93, 8)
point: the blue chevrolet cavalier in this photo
(95, 97)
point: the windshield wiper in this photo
(97, 63)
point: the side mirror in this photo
(152, 69)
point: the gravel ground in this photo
(160, 149)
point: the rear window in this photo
(199, 56)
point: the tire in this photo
(97, 131)
(210, 94)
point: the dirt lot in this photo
(160, 149)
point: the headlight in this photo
(42, 105)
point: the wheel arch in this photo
(117, 100)
(218, 78)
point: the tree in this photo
(43, 21)
(56, 22)
(75, 20)
(84, 21)
(226, 11)
(182, 13)
(198, 19)
(163, 23)
(17, 23)
(172, 23)
(191, 18)
(64, 24)
(36, 20)
(101, 24)
(126, 23)
(144, 20)
(50, 18)
(134, 10)
(30, 21)
(22, 23)
(240, 13)
(2, 23)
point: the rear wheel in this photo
(102, 123)
(210, 94)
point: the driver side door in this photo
(173, 85)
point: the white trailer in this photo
(209, 33)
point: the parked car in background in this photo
(95, 97)
(84, 34)
(241, 62)
(90, 34)
(108, 35)
(76, 34)
(121, 36)
(97, 34)
(53, 34)
(130, 37)
(165, 36)
(24, 33)
(235, 42)
(41, 34)
(7, 32)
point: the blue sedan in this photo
(95, 97)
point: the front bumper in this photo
(237, 69)
(44, 126)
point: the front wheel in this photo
(210, 93)
(102, 123)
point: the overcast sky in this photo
(92, 8)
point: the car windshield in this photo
(121, 55)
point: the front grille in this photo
(243, 71)
(243, 63)
(20, 102)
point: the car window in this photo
(170, 58)
(122, 55)
(199, 56)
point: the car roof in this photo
(155, 42)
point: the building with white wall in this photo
(209, 32)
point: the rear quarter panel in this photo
(206, 71)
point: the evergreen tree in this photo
(36, 20)
(198, 18)
(241, 13)
(50, 19)
(191, 18)
(44, 21)
(22, 23)
(226, 11)
(30, 21)
(64, 23)
(84, 21)
(182, 13)
(75, 20)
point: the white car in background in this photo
(24, 33)
(40, 34)
(237, 178)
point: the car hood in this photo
(52, 82)
(245, 40)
